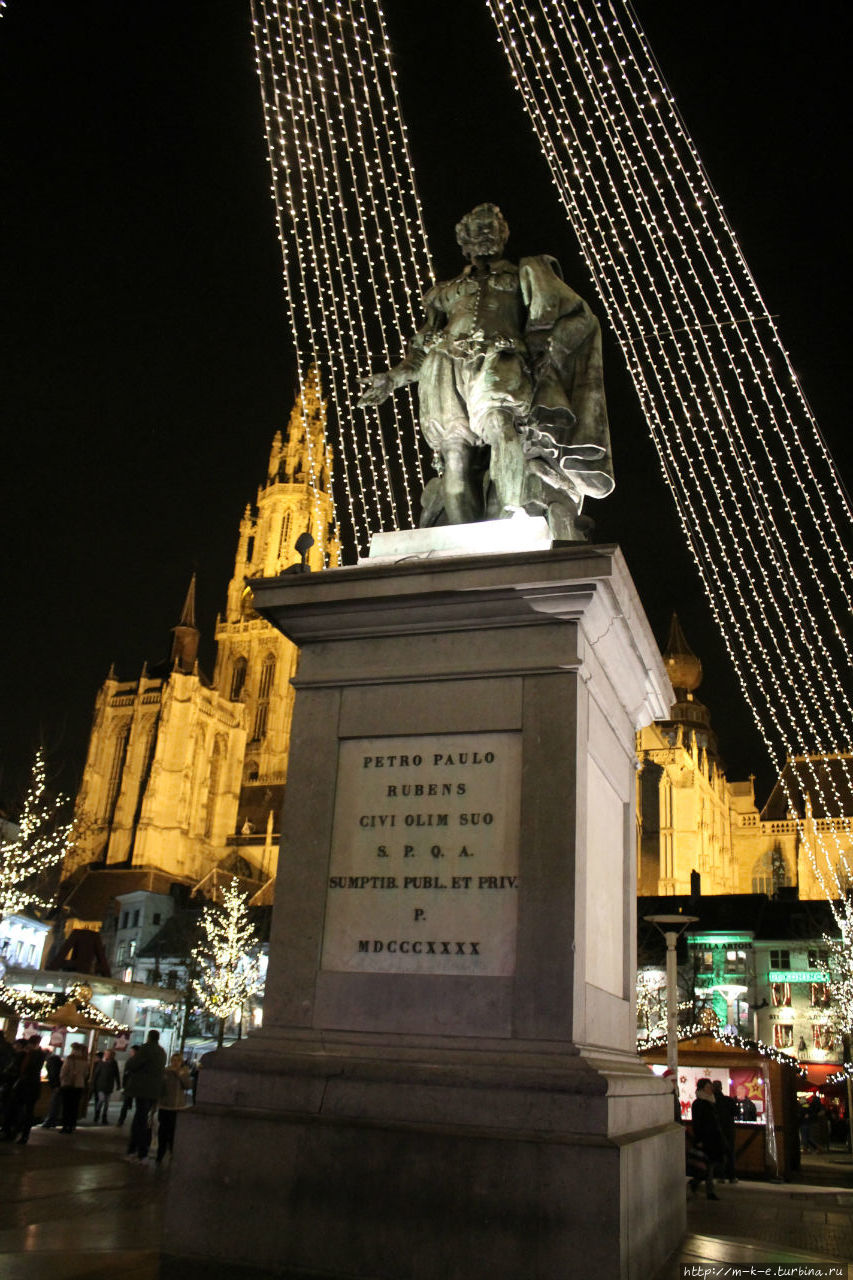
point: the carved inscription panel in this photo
(423, 876)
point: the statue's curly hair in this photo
(462, 234)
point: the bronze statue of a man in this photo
(508, 366)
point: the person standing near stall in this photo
(72, 1082)
(105, 1078)
(173, 1098)
(143, 1081)
(725, 1107)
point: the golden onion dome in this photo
(682, 666)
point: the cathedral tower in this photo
(255, 663)
(185, 776)
(688, 812)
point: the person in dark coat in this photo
(53, 1067)
(726, 1118)
(13, 1061)
(27, 1088)
(745, 1108)
(143, 1081)
(707, 1135)
(126, 1100)
(105, 1078)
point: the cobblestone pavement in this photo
(757, 1224)
(71, 1208)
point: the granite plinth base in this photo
(401, 1164)
(446, 1083)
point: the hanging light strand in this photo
(765, 517)
(354, 249)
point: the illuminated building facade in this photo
(184, 775)
(689, 815)
(693, 820)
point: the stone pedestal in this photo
(445, 1087)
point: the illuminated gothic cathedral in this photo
(185, 775)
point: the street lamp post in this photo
(671, 927)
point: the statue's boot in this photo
(462, 489)
(506, 466)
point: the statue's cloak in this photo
(568, 419)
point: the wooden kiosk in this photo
(768, 1147)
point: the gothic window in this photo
(213, 788)
(238, 677)
(145, 770)
(116, 770)
(264, 691)
(769, 872)
(267, 675)
(762, 875)
(283, 541)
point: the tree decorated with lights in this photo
(225, 959)
(36, 847)
(840, 954)
(651, 1004)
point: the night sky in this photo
(146, 354)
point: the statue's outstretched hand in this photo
(375, 389)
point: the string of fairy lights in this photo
(756, 491)
(727, 1038)
(759, 501)
(353, 242)
(41, 1006)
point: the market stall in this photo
(58, 1019)
(763, 1084)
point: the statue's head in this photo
(483, 232)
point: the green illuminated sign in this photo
(719, 939)
(797, 975)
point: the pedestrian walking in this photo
(143, 1081)
(72, 1079)
(26, 1090)
(725, 1107)
(13, 1061)
(706, 1134)
(105, 1078)
(126, 1101)
(173, 1098)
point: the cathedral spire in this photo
(186, 635)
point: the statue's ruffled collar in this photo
(502, 264)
